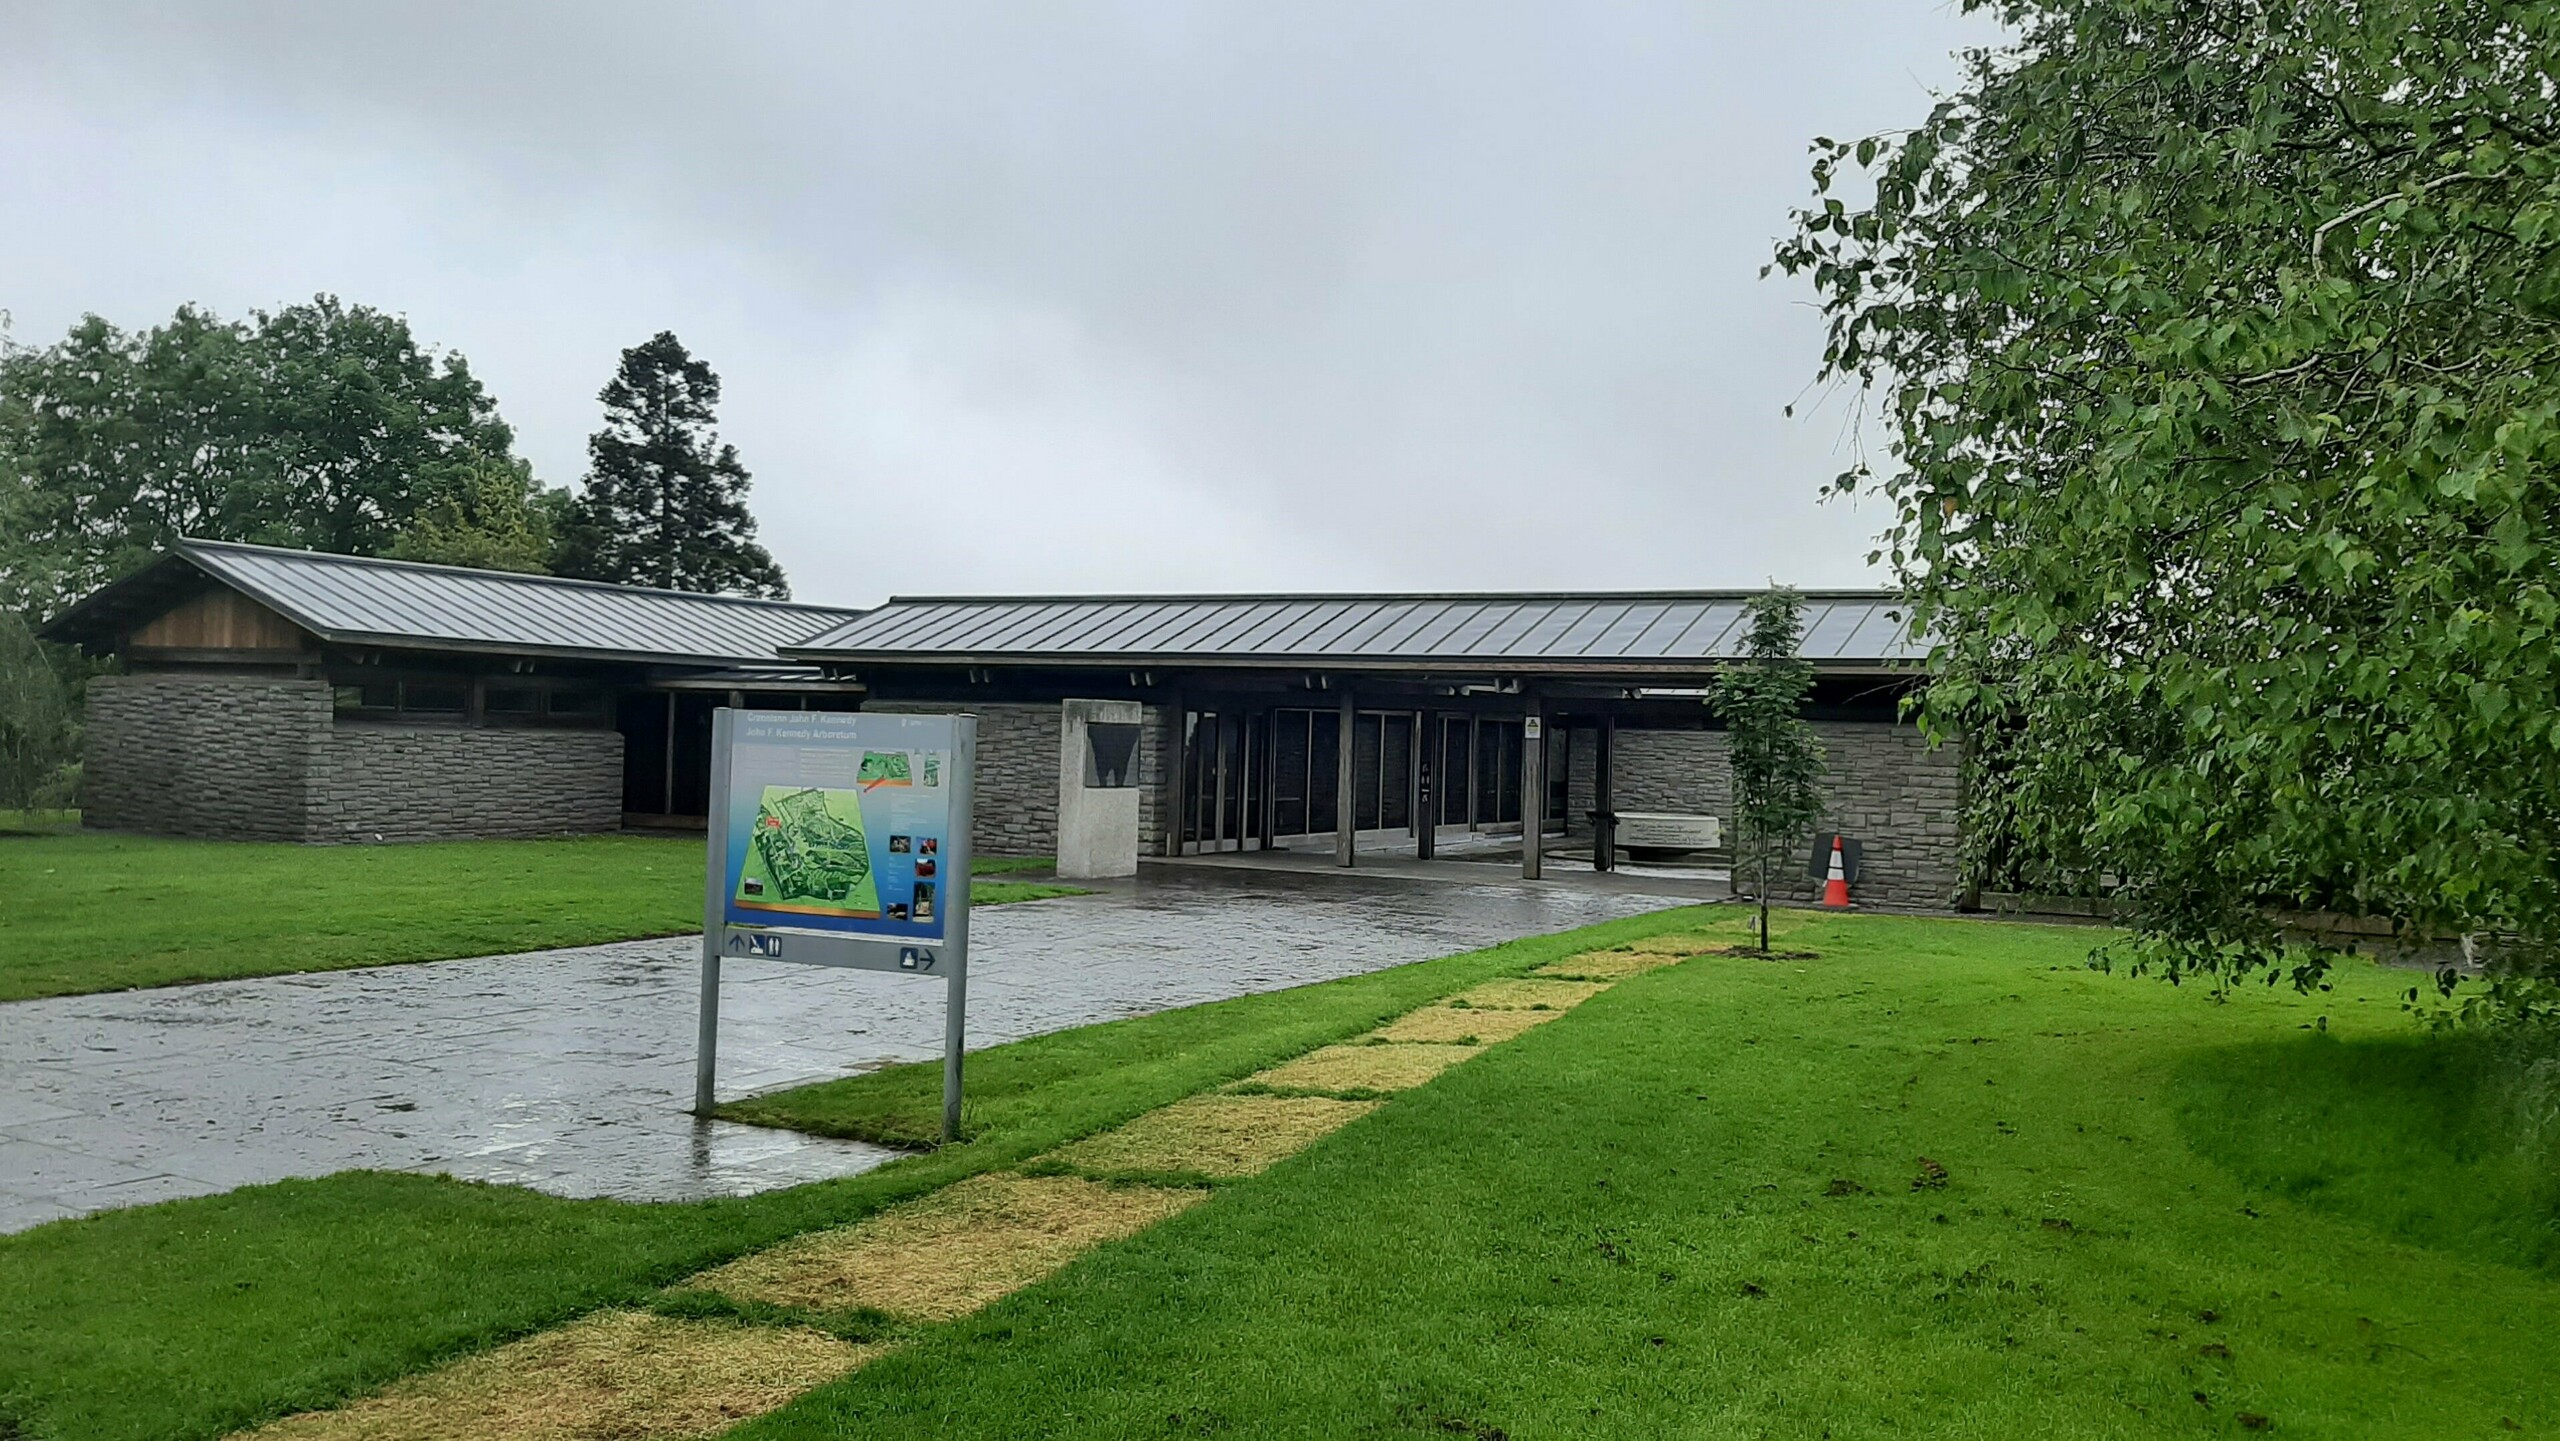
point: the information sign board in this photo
(839, 839)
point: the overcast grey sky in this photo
(1041, 296)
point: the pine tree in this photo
(665, 498)
(1777, 760)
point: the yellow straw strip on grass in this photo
(623, 1375)
(1363, 1068)
(949, 1253)
(1635, 957)
(1225, 1137)
(1528, 993)
(1468, 1026)
(630, 1376)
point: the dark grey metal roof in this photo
(356, 600)
(1638, 631)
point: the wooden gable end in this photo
(221, 622)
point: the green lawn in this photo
(94, 912)
(193, 1318)
(1697, 1205)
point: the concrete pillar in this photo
(1098, 788)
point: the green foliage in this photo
(665, 502)
(490, 517)
(1776, 758)
(39, 727)
(2220, 346)
(321, 425)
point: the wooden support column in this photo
(1270, 778)
(667, 794)
(1533, 792)
(1177, 772)
(1346, 794)
(1427, 781)
(1604, 801)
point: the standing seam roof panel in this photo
(1587, 631)
(1115, 633)
(1658, 637)
(1466, 639)
(1632, 623)
(1230, 628)
(1417, 618)
(986, 622)
(1361, 639)
(1508, 632)
(1038, 626)
(1829, 629)
(1309, 638)
(1694, 617)
(1448, 620)
(1724, 645)
(1541, 638)
(351, 597)
(1269, 618)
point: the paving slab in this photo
(570, 1071)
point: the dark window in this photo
(512, 699)
(1111, 754)
(433, 697)
(580, 703)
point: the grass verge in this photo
(1937, 1182)
(191, 1319)
(97, 912)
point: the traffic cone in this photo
(1835, 890)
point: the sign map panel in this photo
(839, 822)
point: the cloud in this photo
(1014, 297)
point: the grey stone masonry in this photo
(1886, 786)
(1156, 745)
(201, 755)
(1016, 811)
(263, 758)
(377, 782)
(1901, 798)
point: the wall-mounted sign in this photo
(840, 839)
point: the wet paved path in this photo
(569, 1071)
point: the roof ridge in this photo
(1878, 593)
(189, 542)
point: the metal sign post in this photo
(840, 839)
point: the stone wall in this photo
(1900, 798)
(262, 758)
(201, 755)
(1016, 811)
(381, 782)
(1886, 787)
(1157, 746)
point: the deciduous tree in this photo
(1777, 760)
(490, 516)
(321, 425)
(2220, 347)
